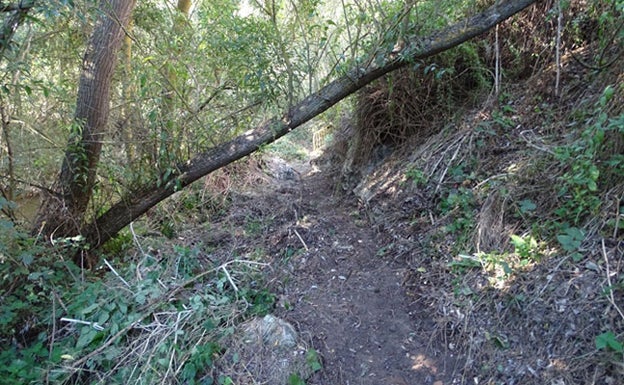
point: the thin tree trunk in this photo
(126, 121)
(63, 214)
(139, 201)
(558, 49)
(7, 191)
(497, 65)
(18, 12)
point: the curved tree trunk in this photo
(138, 202)
(63, 214)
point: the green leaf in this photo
(527, 205)
(517, 241)
(223, 380)
(27, 258)
(572, 239)
(294, 379)
(312, 359)
(104, 316)
(87, 335)
(506, 268)
(607, 94)
(35, 276)
(609, 340)
(209, 325)
(89, 309)
(140, 298)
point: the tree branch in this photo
(12, 21)
(138, 202)
(20, 6)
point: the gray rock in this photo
(265, 350)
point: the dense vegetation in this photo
(194, 75)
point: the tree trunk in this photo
(63, 214)
(139, 201)
(127, 121)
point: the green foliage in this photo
(526, 206)
(607, 17)
(313, 360)
(609, 341)
(34, 281)
(418, 178)
(295, 379)
(459, 204)
(38, 289)
(571, 240)
(225, 380)
(200, 359)
(119, 244)
(254, 227)
(261, 301)
(526, 248)
(591, 164)
(288, 149)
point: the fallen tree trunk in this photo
(136, 203)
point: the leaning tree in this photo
(63, 213)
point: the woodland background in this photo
(124, 124)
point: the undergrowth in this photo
(555, 207)
(158, 318)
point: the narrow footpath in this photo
(345, 295)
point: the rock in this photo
(270, 331)
(265, 350)
(279, 169)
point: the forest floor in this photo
(334, 283)
(381, 282)
(349, 297)
(445, 261)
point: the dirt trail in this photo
(347, 299)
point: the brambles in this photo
(150, 311)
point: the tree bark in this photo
(63, 214)
(138, 202)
